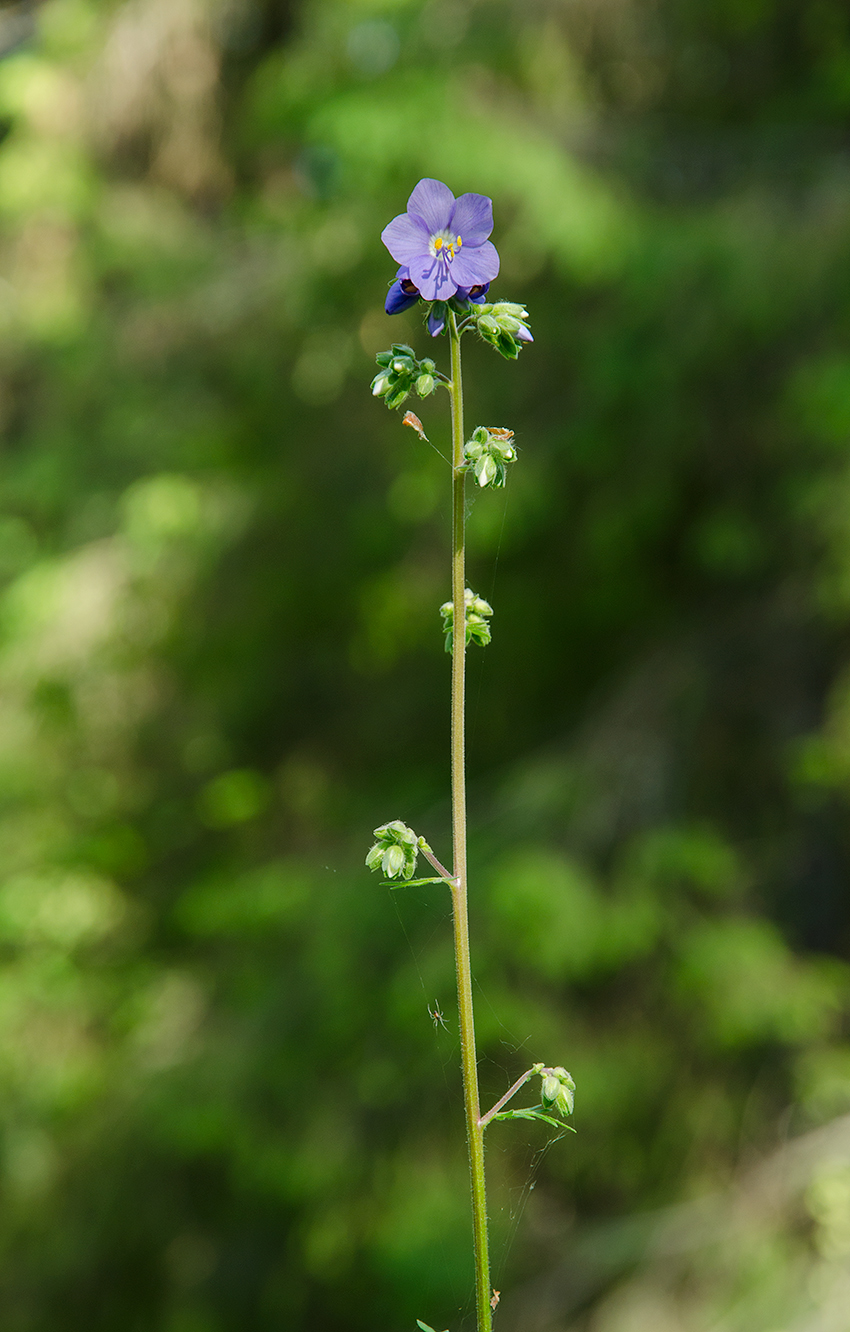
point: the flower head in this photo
(395, 850)
(442, 242)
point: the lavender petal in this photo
(433, 202)
(472, 218)
(475, 264)
(433, 278)
(406, 238)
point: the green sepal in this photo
(424, 1326)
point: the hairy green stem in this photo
(474, 1129)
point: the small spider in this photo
(436, 1017)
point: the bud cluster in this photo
(487, 454)
(396, 849)
(504, 325)
(557, 1090)
(400, 373)
(478, 612)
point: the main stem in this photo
(474, 1130)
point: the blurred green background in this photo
(223, 1103)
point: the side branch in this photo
(512, 1091)
(441, 869)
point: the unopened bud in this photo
(375, 856)
(395, 851)
(557, 1090)
(550, 1090)
(393, 861)
(486, 470)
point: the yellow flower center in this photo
(445, 243)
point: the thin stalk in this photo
(512, 1091)
(438, 866)
(463, 966)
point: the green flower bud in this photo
(550, 1090)
(486, 470)
(425, 384)
(565, 1102)
(406, 836)
(557, 1090)
(393, 861)
(375, 856)
(397, 395)
(380, 384)
(477, 605)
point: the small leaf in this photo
(533, 1114)
(410, 883)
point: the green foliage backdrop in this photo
(224, 1104)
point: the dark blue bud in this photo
(437, 318)
(401, 295)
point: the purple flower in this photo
(442, 242)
